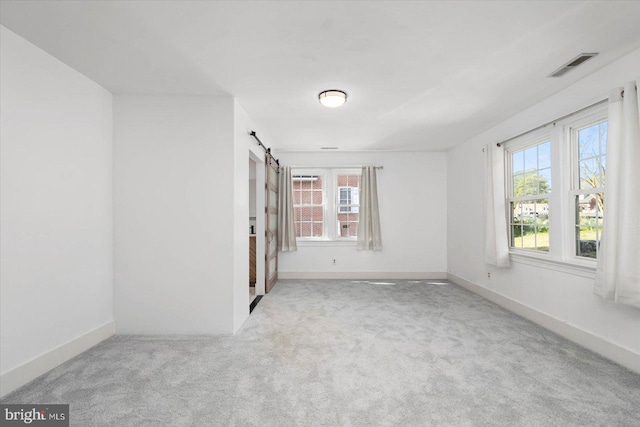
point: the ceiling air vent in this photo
(578, 60)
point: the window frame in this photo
(562, 134)
(572, 126)
(330, 198)
(313, 172)
(349, 205)
(522, 143)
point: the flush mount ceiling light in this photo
(332, 98)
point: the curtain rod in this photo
(553, 121)
(266, 150)
(332, 167)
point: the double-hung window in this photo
(589, 144)
(348, 194)
(348, 199)
(556, 189)
(309, 204)
(529, 193)
(326, 203)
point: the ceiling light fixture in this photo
(332, 98)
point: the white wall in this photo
(563, 297)
(56, 268)
(173, 206)
(412, 189)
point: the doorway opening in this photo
(256, 230)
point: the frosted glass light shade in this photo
(332, 98)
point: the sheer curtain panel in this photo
(618, 271)
(496, 236)
(369, 235)
(287, 221)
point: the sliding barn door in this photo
(271, 224)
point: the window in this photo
(529, 194)
(326, 203)
(308, 205)
(589, 147)
(556, 188)
(348, 199)
(348, 204)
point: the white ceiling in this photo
(420, 75)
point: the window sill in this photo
(580, 268)
(345, 242)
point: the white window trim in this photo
(575, 268)
(562, 254)
(330, 197)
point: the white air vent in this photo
(575, 62)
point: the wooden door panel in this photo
(271, 211)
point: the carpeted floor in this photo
(342, 353)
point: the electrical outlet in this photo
(334, 261)
(488, 275)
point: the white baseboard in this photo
(360, 275)
(27, 372)
(607, 349)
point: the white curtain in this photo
(369, 236)
(496, 236)
(618, 271)
(286, 219)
